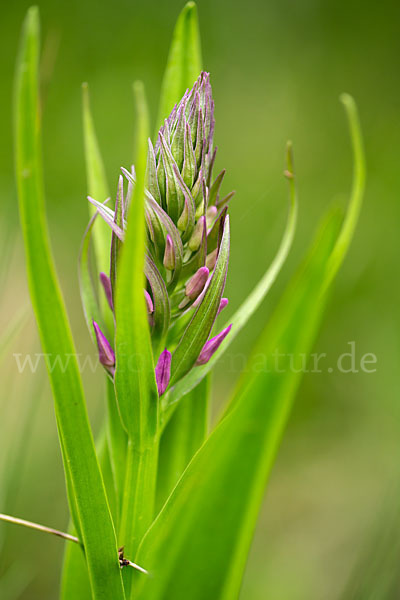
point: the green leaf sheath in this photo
(212, 511)
(135, 383)
(183, 63)
(94, 519)
(182, 437)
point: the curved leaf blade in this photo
(135, 383)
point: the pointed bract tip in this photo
(106, 353)
(163, 371)
(212, 346)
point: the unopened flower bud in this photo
(212, 346)
(212, 259)
(224, 302)
(183, 219)
(106, 283)
(169, 254)
(195, 240)
(196, 284)
(210, 216)
(149, 302)
(163, 371)
(106, 353)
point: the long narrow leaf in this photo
(80, 459)
(135, 383)
(97, 186)
(184, 61)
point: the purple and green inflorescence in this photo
(185, 221)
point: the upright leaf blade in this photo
(135, 383)
(98, 536)
(184, 61)
(97, 186)
(134, 376)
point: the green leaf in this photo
(182, 437)
(250, 305)
(211, 514)
(97, 186)
(184, 61)
(135, 384)
(79, 455)
(75, 577)
(75, 580)
(134, 377)
(200, 326)
(90, 304)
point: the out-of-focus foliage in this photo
(277, 69)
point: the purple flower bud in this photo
(224, 302)
(106, 283)
(197, 234)
(196, 284)
(169, 254)
(106, 353)
(212, 346)
(163, 371)
(149, 302)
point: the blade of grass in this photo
(212, 511)
(135, 383)
(183, 63)
(80, 461)
(97, 186)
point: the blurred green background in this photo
(277, 69)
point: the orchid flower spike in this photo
(187, 224)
